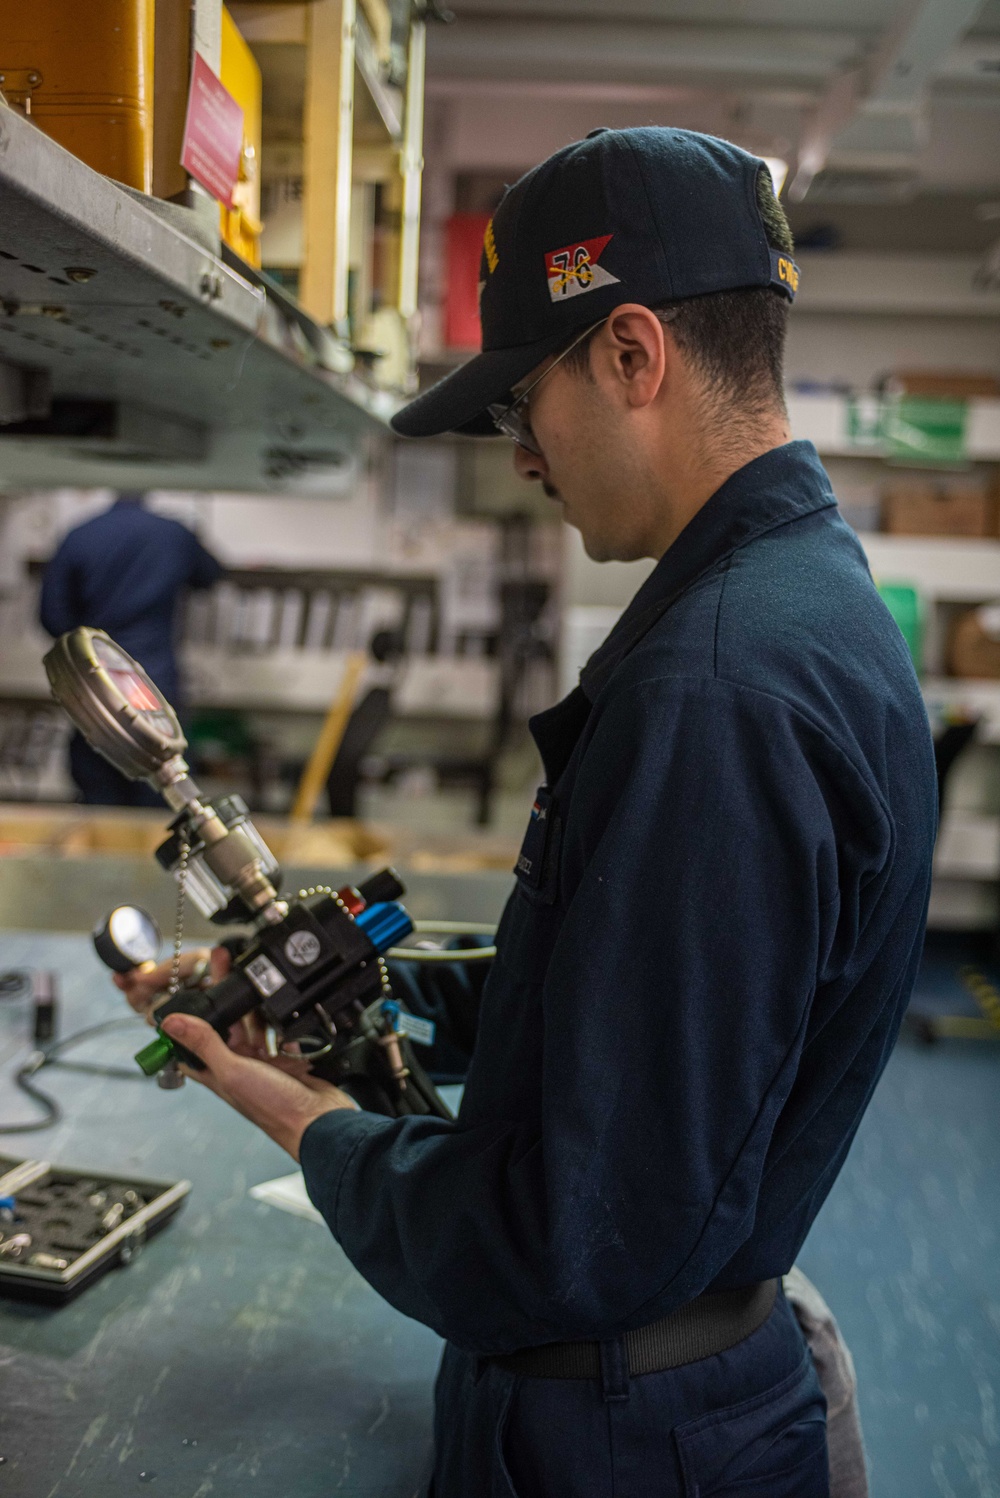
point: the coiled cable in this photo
(50, 1055)
(447, 954)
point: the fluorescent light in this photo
(778, 170)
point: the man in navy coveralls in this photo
(720, 898)
(124, 571)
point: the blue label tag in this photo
(420, 1031)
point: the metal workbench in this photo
(239, 1353)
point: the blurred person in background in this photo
(124, 571)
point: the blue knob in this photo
(385, 924)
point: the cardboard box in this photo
(974, 644)
(940, 384)
(948, 507)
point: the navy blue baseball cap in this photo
(648, 216)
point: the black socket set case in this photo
(74, 1222)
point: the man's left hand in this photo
(280, 1102)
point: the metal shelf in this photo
(946, 569)
(972, 698)
(823, 419)
(216, 383)
(295, 681)
(968, 846)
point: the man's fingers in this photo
(220, 962)
(295, 1066)
(197, 1036)
(249, 1038)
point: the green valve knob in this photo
(154, 1057)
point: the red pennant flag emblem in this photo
(574, 269)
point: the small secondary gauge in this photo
(128, 938)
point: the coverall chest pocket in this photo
(537, 866)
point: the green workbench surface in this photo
(239, 1353)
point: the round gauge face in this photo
(134, 933)
(137, 690)
(112, 701)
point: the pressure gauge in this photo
(128, 938)
(113, 702)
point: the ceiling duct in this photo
(864, 185)
(867, 130)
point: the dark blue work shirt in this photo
(125, 571)
(718, 918)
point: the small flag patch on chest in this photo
(530, 866)
(574, 269)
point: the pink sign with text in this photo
(213, 134)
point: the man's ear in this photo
(632, 350)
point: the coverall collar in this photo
(781, 485)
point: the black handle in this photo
(383, 886)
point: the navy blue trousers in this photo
(100, 784)
(746, 1423)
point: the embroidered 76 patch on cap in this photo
(574, 269)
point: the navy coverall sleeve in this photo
(58, 607)
(702, 876)
(204, 568)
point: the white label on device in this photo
(264, 976)
(302, 948)
(420, 1031)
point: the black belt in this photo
(707, 1325)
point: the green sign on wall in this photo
(914, 429)
(918, 429)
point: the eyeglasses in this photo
(515, 423)
(512, 421)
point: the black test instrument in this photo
(312, 966)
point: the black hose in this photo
(49, 1055)
(16, 984)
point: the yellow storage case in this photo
(83, 71)
(240, 225)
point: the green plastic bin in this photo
(903, 602)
